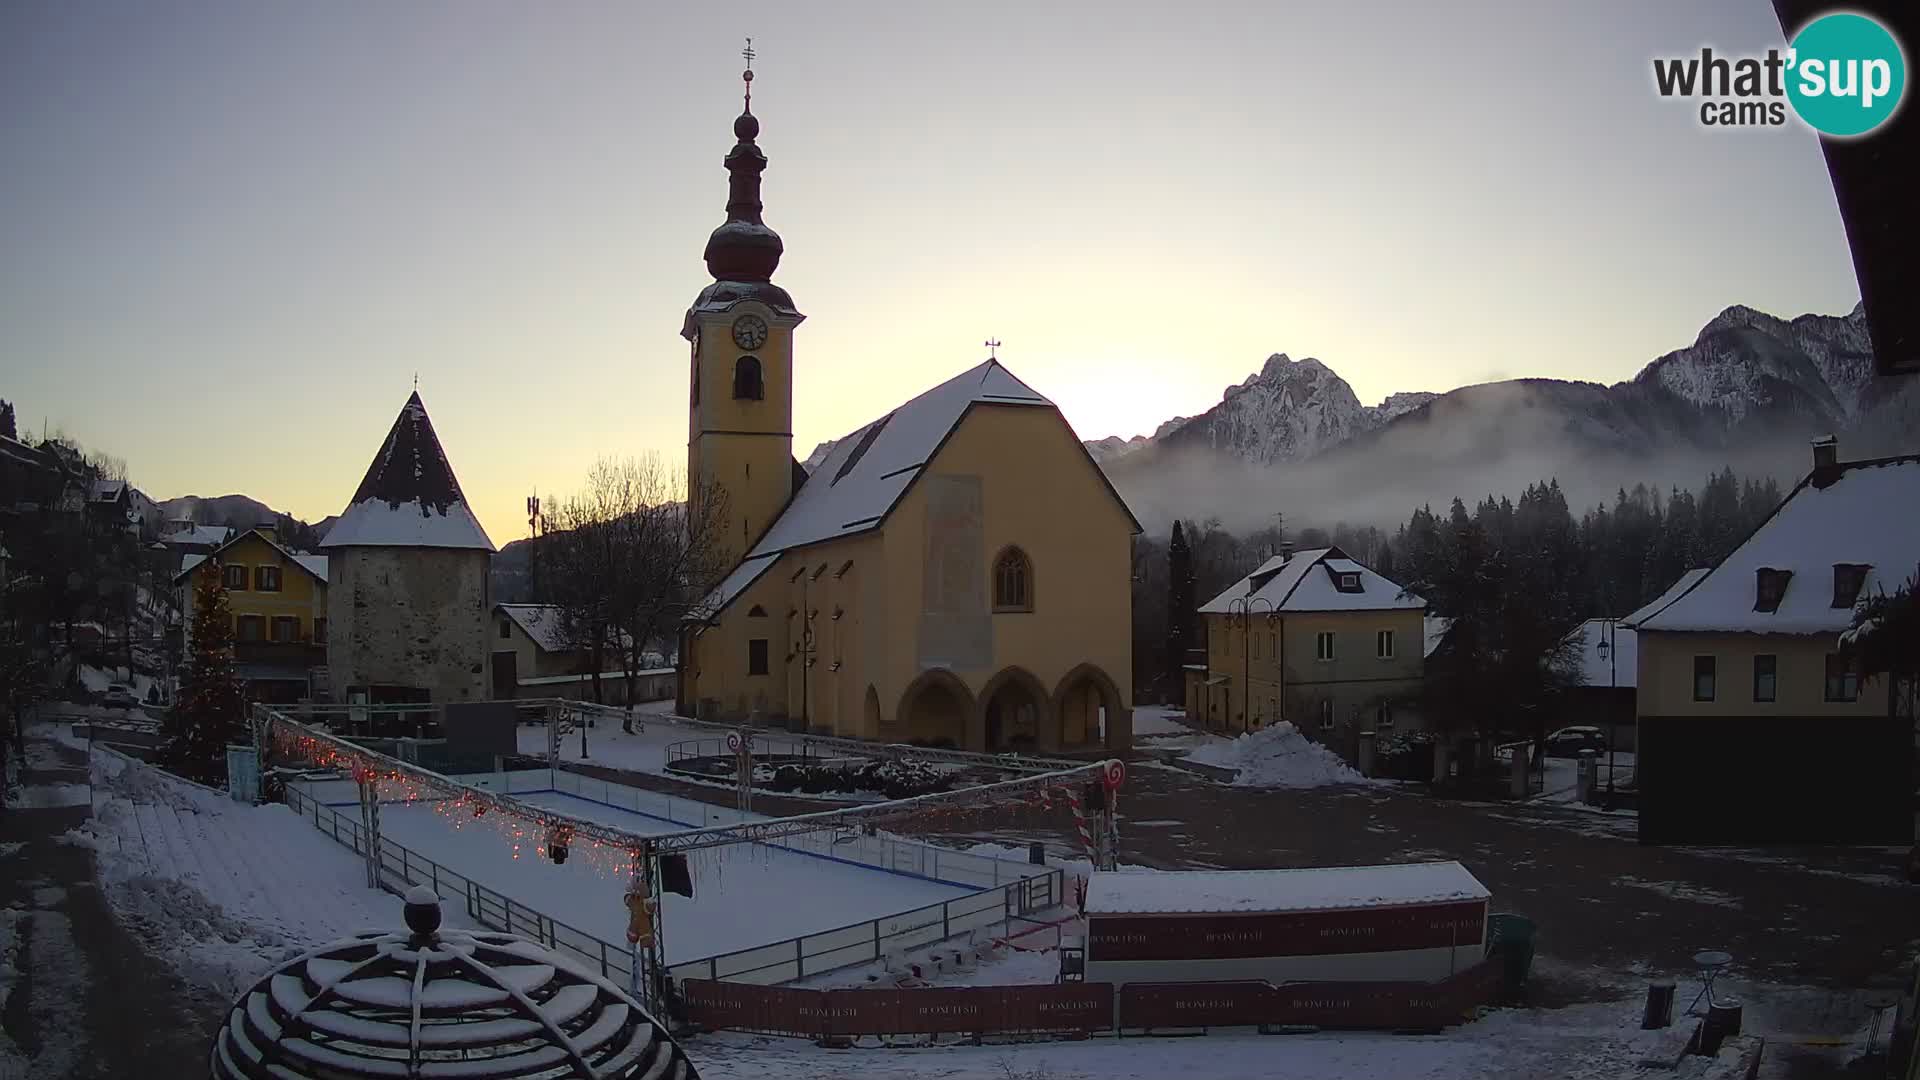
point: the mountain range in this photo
(1294, 439)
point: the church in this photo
(955, 573)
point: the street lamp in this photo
(1611, 655)
(1242, 608)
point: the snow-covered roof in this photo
(1305, 581)
(312, 564)
(546, 624)
(865, 474)
(1435, 629)
(211, 535)
(1862, 514)
(1673, 593)
(409, 497)
(1154, 892)
(1615, 669)
(108, 490)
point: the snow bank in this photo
(1278, 757)
(221, 889)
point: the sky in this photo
(232, 233)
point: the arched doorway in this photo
(1090, 712)
(870, 726)
(933, 710)
(1015, 713)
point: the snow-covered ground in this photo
(221, 889)
(1151, 720)
(744, 895)
(1278, 756)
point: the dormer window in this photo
(1770, 587)
(1349, 583)
(1847, 580)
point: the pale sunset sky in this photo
(232, 232)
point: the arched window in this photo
(756, 612)
(1013, 581)
(746, 378)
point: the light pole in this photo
(1242, 608)
(1611, 654)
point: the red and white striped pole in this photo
(1080, 820)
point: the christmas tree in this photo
(212, 708)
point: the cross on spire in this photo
(747, 75)
(993, 348)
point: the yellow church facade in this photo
(957, 572)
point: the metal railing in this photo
(402, 868)
(1006, 890)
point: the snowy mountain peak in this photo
(1748, 363)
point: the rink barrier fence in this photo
(1005, 890)
(1086, 1008)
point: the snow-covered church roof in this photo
(409, 497)
(866, 474)
(1860, 514)
(1291, 583)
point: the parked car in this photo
(119, 696)
(1569, 741)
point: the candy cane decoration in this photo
(1080, 821)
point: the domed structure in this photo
(425, 1004)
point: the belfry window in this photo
(746, 379)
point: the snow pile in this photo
(1278, 757)
(221, 889)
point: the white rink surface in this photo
(744, 895)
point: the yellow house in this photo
(1753, 727)
(1318, 639)
(278, 598)
(957, 572)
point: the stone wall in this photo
(408, 616)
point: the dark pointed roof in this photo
(409, 497)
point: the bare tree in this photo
(626, 560)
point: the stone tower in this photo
(740, 429)
(407, 563)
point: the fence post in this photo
(435, 868)
(876, 939)
(799, 959)
(406, 875)
(946, 922)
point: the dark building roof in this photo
(1874, 178)
(409, 497)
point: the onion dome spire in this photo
(743, 248)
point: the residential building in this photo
(1316, 638)
(183, 539)
(535, 655)
(955, 572)
(407, 566)
(1752, 726)
(278, 599)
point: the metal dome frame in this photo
(465, 1004)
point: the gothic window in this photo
(746, 379)
(1013, 581)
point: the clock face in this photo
(749, 331)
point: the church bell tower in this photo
(740, 430)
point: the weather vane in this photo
(748, 74)
(993, 348)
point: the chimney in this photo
(1286, 550)
(1826, 452)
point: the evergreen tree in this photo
(7, 424)
(1885, 642)
(212, 708)
(1180, 606)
